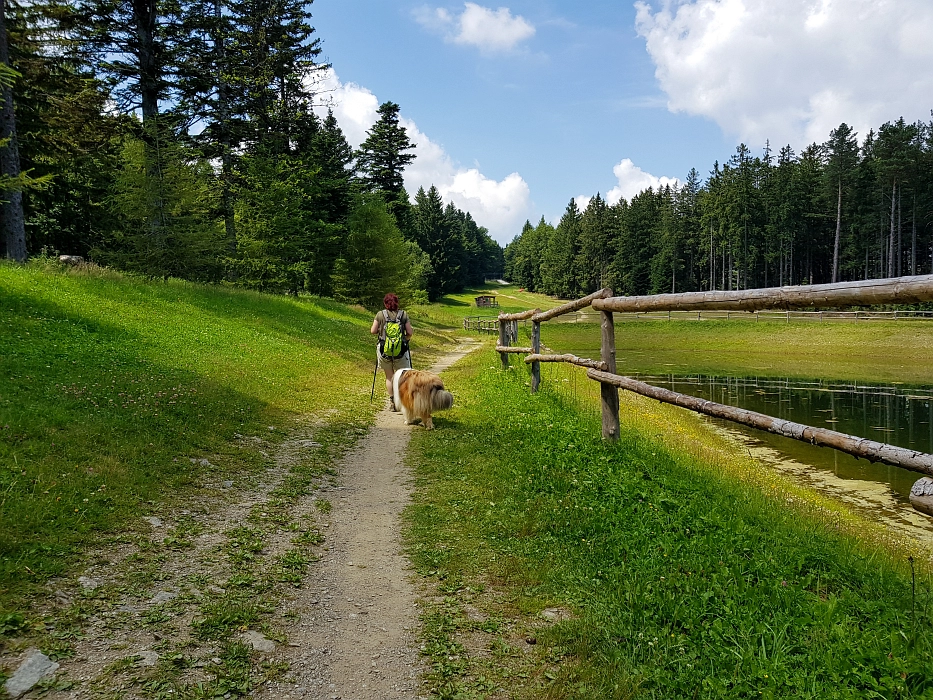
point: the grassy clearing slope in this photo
(682, 581)
(869, 351)
(109, 386)
(453, 308)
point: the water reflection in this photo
(896, 414)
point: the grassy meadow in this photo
(877, 351)
(663, 566)
(666, 565)
(110, 386)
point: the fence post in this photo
(504, 340)
(536, 349)
(609, 394)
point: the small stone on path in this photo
(154, 521)
(88, 583)
(36, 667)
(162, 597)
(147, 658)
(258, 641)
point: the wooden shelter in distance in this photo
(487, 300)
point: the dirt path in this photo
(358, 639)
(289, 583)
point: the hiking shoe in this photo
(392, 405)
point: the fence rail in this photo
(897, 290)
(481, 324)
(587, 316)
(743, 303)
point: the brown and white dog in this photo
(419, 393)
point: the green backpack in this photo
(393, 344)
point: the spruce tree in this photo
(381, 161)
(841, 154)
(431, 233)
(375, 259)
(558, 266)
(276, 53)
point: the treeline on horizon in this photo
(837, 211)
(180, 139)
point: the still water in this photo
(894, 413)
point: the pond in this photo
(896, 414)
(882, 390)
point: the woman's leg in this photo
(389, 374)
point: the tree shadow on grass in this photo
(94, 433)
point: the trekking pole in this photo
(372, 395)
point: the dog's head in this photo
(441, 400)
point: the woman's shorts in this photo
(403, 362)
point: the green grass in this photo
(681, 576)
(450, 310)
(678, 567)
(879, 351)
(110, 386)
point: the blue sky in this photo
(518, 108)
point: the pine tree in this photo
(69, 144)
(209, 89)
(331, 153)
(434, 234)
(596, 244)
(276, 60)
(841, 154)
(382, 158)
(376, 258)
(558, 267)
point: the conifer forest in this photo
(192, 139)
(840, 210)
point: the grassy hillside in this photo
(111, 386)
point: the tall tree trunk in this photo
(144, 12)
(226, 145)
(913, 239)
(838, 234)
(891, 234)
(11, 210)
(900, 228)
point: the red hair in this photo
(390, 301)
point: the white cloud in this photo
(582, 201)
(354, 106)
(633, 180)
(499, 205)
(489, 30)
(792, 70)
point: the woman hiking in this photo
(393, 327)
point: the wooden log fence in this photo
(508, 349)
(482, 324)
(571, 306)
(569, 359)
(900, 290)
